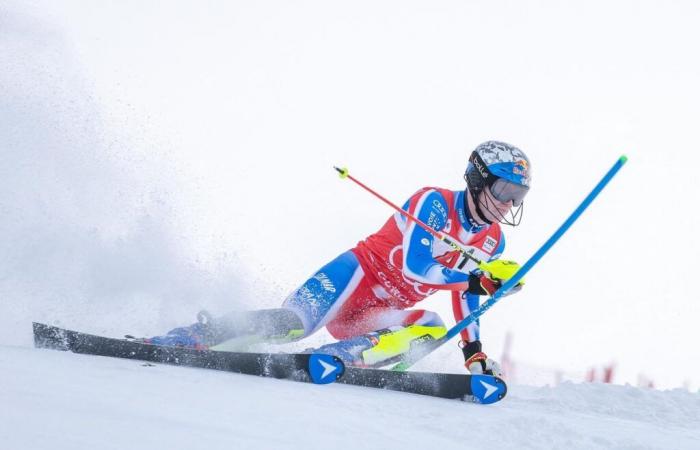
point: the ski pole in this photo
(419, 352)
(345, 174)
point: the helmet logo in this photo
(480, 167)
(520, 167)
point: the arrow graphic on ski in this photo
(487, 389)
(325, 369)
(490, 389)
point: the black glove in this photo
(482, 285)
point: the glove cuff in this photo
(476, 357)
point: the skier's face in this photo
(488, 208)
(495, 209)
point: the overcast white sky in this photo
(161, 158)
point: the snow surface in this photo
(59, 400)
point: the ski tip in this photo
(487, 389)
(325, 369)
(623, 159)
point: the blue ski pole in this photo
(419, 353)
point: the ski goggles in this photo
(505, 191)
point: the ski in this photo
(484, 389)
(304, 367)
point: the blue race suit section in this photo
(419, 262)
(324, 293)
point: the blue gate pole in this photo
(419, 353)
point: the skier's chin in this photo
(496, 216)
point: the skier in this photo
(363, 296)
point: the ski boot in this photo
(197, 336)
(383, 347)
(267, 325)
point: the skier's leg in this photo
(328, 291)
(380, 336)
(306, 310)
(270, 325)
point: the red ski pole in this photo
(345, 174)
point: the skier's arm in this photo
(476, 361)
(482, 283)
(463, 303)
(418, 262)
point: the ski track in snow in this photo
(61, 400)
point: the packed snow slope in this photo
(59, 400)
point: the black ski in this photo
(292, 366)
(303, 367)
